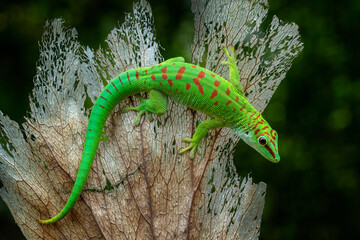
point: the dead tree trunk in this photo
(139, 186)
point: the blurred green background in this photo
(314, 192)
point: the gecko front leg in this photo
(200, 132)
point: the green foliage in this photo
(313, 193)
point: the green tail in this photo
(75, 194)
(113, 93)
(94, 130)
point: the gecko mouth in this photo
(270, 151)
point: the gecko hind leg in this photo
(157, 104)
(234, 76)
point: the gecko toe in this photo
(187, 140)
(192, 153)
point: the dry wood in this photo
(139, 186)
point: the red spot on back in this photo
(161, 84)
(201, 74)
(163, 70)
(198, 84)
(153, 77)
(120, 80)
(194, 66)
(265, 127)
(234, 109)
(145, 81)
(137, 75)
(145, 71)
(227, 103)
(217, 83)
(108, 91)
(170, 82)
(188, 85)
(173, 64)
(152, 67)
(237, 98)
(103, 98)
(114, 86)
(214, 93)
(128, 77)
(102, 106)
(180, 73)
(216, 103)
(256, 131)
(257, 117)
(242, 108)
(228, 91)
(177, 89)
(213, 75)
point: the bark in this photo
(139, 186)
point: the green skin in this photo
(200, 89)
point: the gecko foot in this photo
(193, 147)
(142, 110)
(156, 104)
(231, 56)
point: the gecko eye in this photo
(262, 141)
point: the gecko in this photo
(188, 84)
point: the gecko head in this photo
(265, 141)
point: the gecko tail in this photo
(74, 196)
(86, 162)
(61, 214)
(93, 134)
(113, 93)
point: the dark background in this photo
(314, 192)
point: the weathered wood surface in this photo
(139, 186)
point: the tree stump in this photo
(139, 186)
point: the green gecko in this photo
(200, 89)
